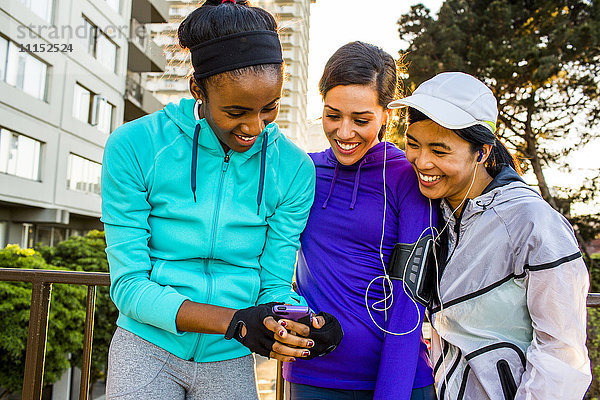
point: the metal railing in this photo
(42, 281)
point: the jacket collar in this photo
(498, 191)
(182, 115)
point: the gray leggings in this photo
(137, 369)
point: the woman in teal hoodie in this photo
(203, 205)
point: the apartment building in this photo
(294, 20)
(70, 73)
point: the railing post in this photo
(279, 394)
(88, 338)
(36, 343)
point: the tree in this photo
(67, 317)
(87, 253)
(541, 58)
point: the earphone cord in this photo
(386, 278)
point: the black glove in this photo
(327, 338)
(258, 338)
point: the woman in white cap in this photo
(510, 310)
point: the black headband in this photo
(235, 51)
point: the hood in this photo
(374, 157)
(202, 135)
(182, 115)
(506, 186)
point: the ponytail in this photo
(500, 156)
(477, 136)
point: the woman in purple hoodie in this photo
(353, 226)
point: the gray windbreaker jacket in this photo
(512, 324)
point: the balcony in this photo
(144, 55)
(150, 11)
(286, 11)
(138, 101)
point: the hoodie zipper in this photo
(224, 167)
(209, 280)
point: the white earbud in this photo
(197, 109)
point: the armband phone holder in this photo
(414, 265)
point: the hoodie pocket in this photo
(498, 369)
(507, 380)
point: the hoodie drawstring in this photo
(263, 161)
(195, 159)
(335, 175)
(356, 184)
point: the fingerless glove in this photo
(327, 338)
(258, 338)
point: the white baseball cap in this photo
(454, 100)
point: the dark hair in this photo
(215, 19)
(476, 136)
(359, 63)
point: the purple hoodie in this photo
(340, 256)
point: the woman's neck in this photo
(481, 181)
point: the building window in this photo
(106, 52)
(3, 234)
(83, 175)
(22, 70)
(19, 155)
(179, 11)
(27, 236)
(114, 4)
(99, 45)
(82, 103)
(104, 113)
(92, 108)
(49, 235)
(42, 8)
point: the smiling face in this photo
(352, 119)
(238, 108)
(445, 163)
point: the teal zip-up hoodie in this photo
(164, 248)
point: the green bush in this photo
(65, 322)
(86, 253)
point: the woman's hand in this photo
(326, 333)
(321, 338)
(255, 328)
(291, 339)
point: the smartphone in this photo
(295, 313)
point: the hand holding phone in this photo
(301, 314)
(325, 339)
